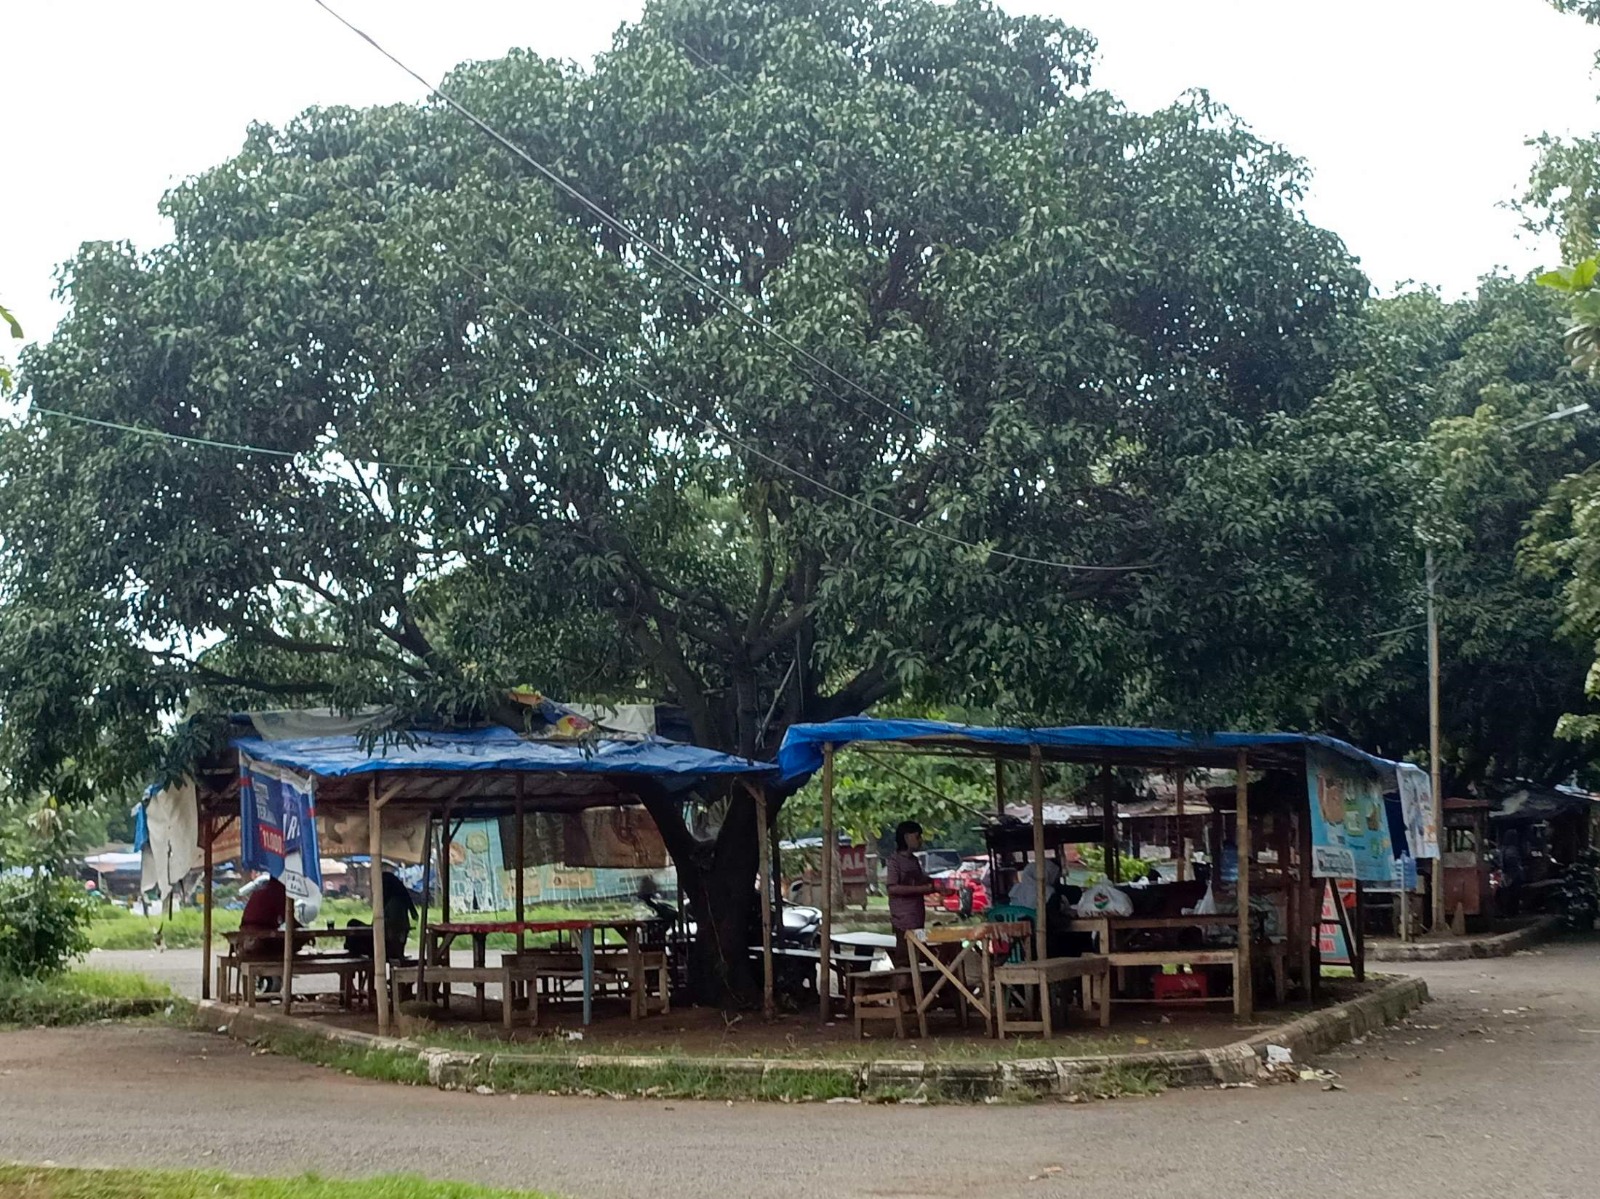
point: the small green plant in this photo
(43, 924)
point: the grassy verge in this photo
(38, 1182)
(976, 1050)
(80, 997)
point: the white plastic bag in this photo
(1207, 905)
(1103, 899)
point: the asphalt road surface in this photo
(1491, 1091)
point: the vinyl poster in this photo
(1349, 828)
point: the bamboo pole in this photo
(380, 947)
(1040, 896)
(1244, 982)
(288, 951)
(444, 865)
(517, 849)
(1180, 851)
(759, 796)
(427, 893)
(999, 787)
(210, 827)
(1108, 825)
(829, 851)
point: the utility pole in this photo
(1436, 774)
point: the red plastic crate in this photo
(1181, 986)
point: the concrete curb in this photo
(1464, 948)
(1033, 1078)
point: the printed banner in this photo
(1416, 802)
(477, 881)
(278, 827)
(348, 835)
(1349, 828)
(1331, 944)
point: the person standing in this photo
(908, 886)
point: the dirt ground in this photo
(1491, 1091)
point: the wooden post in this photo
(999, 787)
(1435, 765)
(517, 850)
(288, 951)
(209, 832)
(759, 796)
(829, 851)
(427, 891)
(1180, 850)
(1358, 950)
(380, 948)
(444, 866)
(1244, 983)
(1108, 825)
(1040, 896)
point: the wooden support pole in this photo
(1244, 984)
(517, 849)
(427, 895)
(758, 795)
(1040, 890)
(1108, 824)
(999, 787)
(209, 832)
(444, 866)
(1358, 950)
(288, 952)
(1180, 850)
(830, 848)
(380, 946)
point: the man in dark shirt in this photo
(908, 886)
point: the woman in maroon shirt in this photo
(908, 886)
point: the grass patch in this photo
(36, 1182)
(669, 1080)
(1117, 1081)
(378, 1064)
(977, 1049)
(80, 997)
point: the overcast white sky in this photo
(1413, 113)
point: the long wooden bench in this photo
(348, 969)
(1093, 969)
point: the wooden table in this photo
(439, 937)
(1108, 927)
(978, 942)
(304, 937)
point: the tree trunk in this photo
(718, 880)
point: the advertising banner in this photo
(1416, 801)
(278, 829)
(1349, 828)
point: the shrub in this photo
(43, 924)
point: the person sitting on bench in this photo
(261, 927)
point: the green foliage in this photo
(1094, 861)
(1471, 380)
(1080, 334)
(43, 923)
(54, 1182)
(78, 997)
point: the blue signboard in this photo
(1349, 826)
(278, 823)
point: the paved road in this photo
(1492, 1092)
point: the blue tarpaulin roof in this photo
(498, 750)
(801, 753)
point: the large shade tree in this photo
(890, 357)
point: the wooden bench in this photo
(1093, 969)
(349, 970)
(645, 975)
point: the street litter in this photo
(1278, 1055)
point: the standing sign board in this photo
(278, 827)
(1349, 829)
(1331, 944)
(1416, 802)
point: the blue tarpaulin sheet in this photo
(497, 749)
(801, 753)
